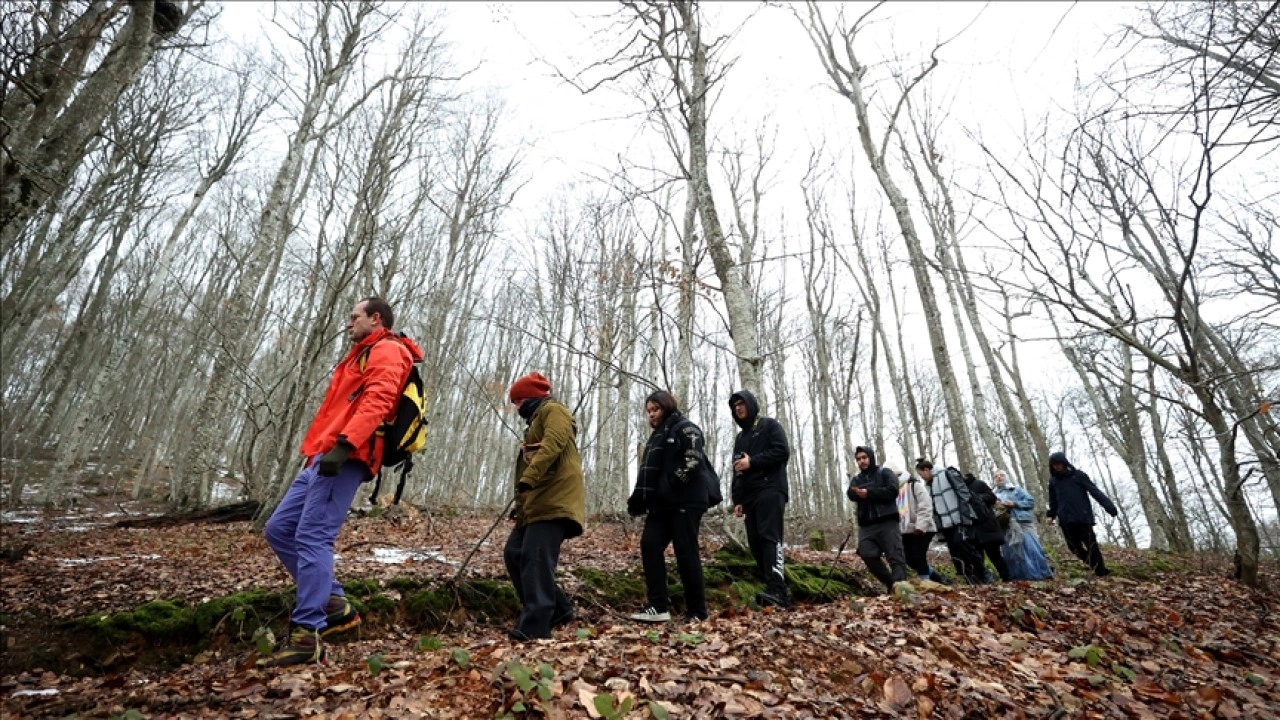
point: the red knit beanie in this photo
(533, 385)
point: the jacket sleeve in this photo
(557, 434)
(690, 452)
(1098, 495)
(646, 486)
(923, 509)
(384, 374)
(885, 487)
(1052, 512)
(1022, 500)
(776, 451)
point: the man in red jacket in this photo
(343, 449)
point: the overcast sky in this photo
(1013, 62)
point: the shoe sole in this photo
(287, 662)
(348, 626)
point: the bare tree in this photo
(835, 45)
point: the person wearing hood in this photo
(343, 448)
(875, 490)
(953, 516)
(760, 491)
(1022, 550)
(1069, 493)
(549, 507)
(988, 535)
(915, 520)
(673, 489)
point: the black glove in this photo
(331, 462)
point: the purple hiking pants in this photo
(302, 532)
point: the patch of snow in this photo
(42, 692)
(71, 562)
(20, 517)
(222, 493)
(399, 556)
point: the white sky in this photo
(1016, 58)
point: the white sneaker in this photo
(649, 615)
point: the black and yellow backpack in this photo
(404, 435)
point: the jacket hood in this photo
(753, 407)
(1059, 457)
(871, 455)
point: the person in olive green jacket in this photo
(550, 507)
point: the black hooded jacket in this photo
(763, 439)
(1069, 493)
(984, 499)
(881, 503)
(674, 473)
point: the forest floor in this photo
(107, 622)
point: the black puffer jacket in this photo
(1069, 493)
(764, 440)
(881, 503)
(674, 473)
(986, 525)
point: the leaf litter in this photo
(1182, 643)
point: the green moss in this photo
(746, 590)
(361, 588)
(430, 606)
(616, 589)
(378, 605)
(493, 599)
(254, 607)
(405, 584)
(817, 584)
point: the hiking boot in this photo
(564, 618)
(651, 615)
(303, 647)
(767, 599)
(339, 616)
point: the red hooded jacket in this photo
(357, 402)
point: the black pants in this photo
(764, 536)
(1084, 544)
(883, 538)
(992, 549)
(531, 556)
(965, 555)
(678, 528)
(916, 547)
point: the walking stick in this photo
(831, 568)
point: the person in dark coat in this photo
(549, 507)
(875, 490)
(953, 516)
(673, 490)
(760, 491)
(1069, 493)
(989, 536)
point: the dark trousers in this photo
(678, 528)
(1084, 544)
(883, 538)
(965, 555)
(916, 547)
(992, 550)
(531, 556)
(764, 537)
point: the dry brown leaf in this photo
(897, 692)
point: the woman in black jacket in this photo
(674, 489)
